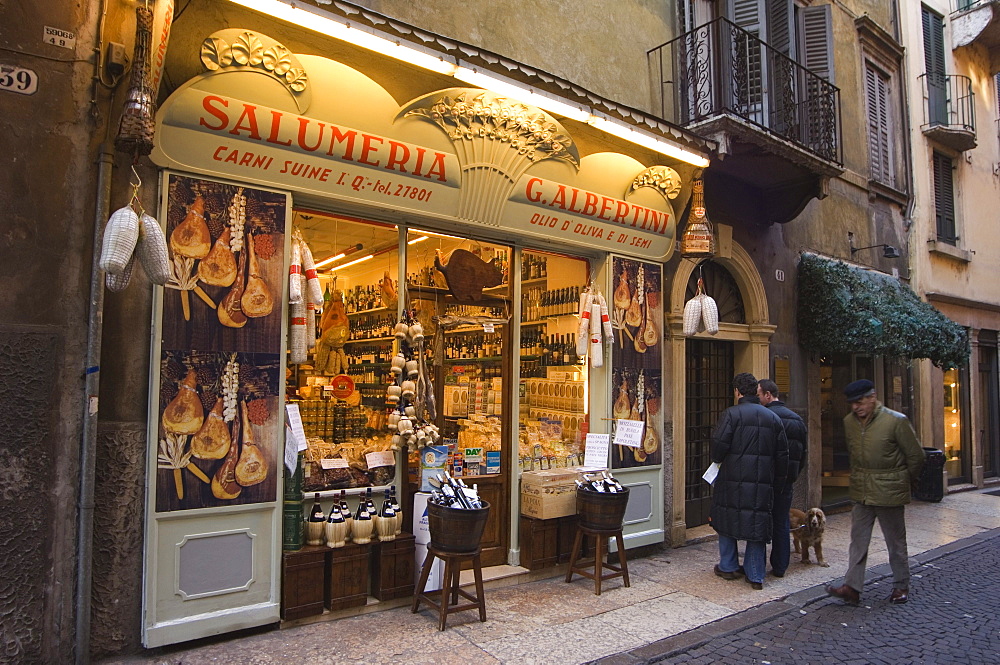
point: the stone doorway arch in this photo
(751, 341)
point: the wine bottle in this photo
(345, 510)
(387, 509)
(336, 516)
(362, 513)
(396, 509)
(314, 529)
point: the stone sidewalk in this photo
(549, 621)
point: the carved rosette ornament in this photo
(235, 48)
(496, 140)
(663, 179)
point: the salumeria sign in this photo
(257, 143)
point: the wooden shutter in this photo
(878, 98)
(817, 40)
(944, 198)
(780, 30)
(747, 14)
(933, 28)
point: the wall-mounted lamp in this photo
(888, 251)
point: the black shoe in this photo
(777, 574)
(899, 596)
(735, 575)
(756, 586)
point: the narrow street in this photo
(953, 616)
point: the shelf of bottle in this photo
(473, 329)
(370, 385)
(545, 319)
(462, 361)
(378, 364)
(373, 310)
(351, 491)
(369, 339)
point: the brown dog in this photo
(807, 531)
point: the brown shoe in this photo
(899, 596)
(846, 593)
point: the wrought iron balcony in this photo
(949, 110)
(777, 123)
(720, 69)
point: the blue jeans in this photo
(780, 546)
(754, 559)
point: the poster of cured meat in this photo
(219, 424)
(637, 358)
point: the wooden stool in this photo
(450, 584)
(601, 548)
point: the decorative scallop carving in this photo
(235, 48)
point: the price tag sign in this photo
(57, 37)
(629, 433)
(333, 463)
(380, 458)
(595, 454)
(295, 422)
(18, 79)
(488, 327)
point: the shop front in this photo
(367, 291)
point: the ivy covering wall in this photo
(847, 309)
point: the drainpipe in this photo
(88, 445)
(911, 199)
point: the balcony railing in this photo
(949, 109)
(719, 68)
(962, 5)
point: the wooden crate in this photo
(567, 535)
(347, 578)
(392, 567)
(545, 543)
(303, 583)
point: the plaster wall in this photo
(966, 274)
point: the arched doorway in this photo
(703, 366)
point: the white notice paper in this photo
(629, 433)
(596, 451)
(380, 458)
(333, 463)
(291, 451)
(711, 472)
(295, 422)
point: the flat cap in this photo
(855, 390)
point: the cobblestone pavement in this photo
(674, 609)
(953, 616)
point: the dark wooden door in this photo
(709, 369)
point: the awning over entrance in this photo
(848, 309)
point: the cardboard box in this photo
(549, 494)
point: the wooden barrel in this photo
(455, 529)
(602, 511)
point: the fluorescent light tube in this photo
(351, 263)
(521, 93)
(626, 132)
(309, 17)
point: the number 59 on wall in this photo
(18, 79)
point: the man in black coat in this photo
(750, 446)
(795, 432)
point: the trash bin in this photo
(930, 484)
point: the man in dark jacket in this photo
(750, 446)
(885, 459)
(795, 432)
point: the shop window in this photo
(357, 263)
(953, 448)
(553, 384)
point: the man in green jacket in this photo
(885, 459)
